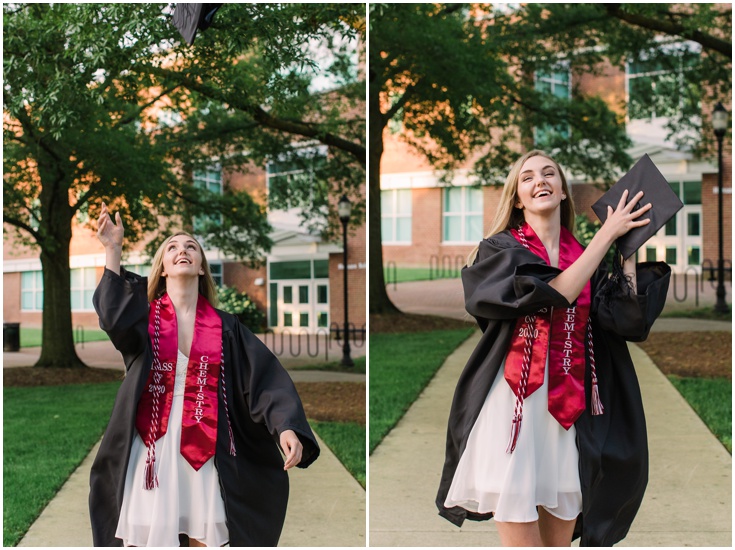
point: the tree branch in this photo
(131, 118)
(264, 118)
(667, 27)
(22, 225)
(398, 105)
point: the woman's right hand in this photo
(624, 218)
(110, 234)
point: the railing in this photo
(79, 335)
(338, 330)
(391, 268)
(446, 269)
(699, 277)
(314, 344)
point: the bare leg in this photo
(195, 542)
(555, 531)
(519, 534)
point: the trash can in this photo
(11, 336)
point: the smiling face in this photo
(182, 257)
(540, 189)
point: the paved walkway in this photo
(690, 470)
(327, 507)
(687, 503)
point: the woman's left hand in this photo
(292, 448)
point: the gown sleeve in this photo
(508, 282)
(271, 395)
(627, 314)
(121, 302)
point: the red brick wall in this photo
(609, 85)
(356, 281)
(242, 277)
(11, 298)
(710, 212)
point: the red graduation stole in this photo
(199, 417)
(561, 333)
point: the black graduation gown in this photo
(262, 402)
(508, 281)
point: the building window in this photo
(462, 215)
(395, 216)
(208, 180)
(31, 291)
(143, 270)
(557, 85)
(289, 179)
(83, 283)
(657, 87)
(693, 255)
(650, 253)
(671, 254)
(216, 270)
(693, 224)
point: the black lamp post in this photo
(344, 207)
(720, 123)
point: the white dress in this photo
(185, 501)
(543, 470)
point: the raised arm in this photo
(571, 281)
(111, 236)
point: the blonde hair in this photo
(508, 216)
(157, 283)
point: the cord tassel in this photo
(597, 408)
(596, 402)
(515, 431)
(233, 451)
(151, 480)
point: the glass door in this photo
(301, 304)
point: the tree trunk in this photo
(57, 341)
(379, 301)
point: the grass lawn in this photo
(707, 313)
(334, 366)
(711, 398)
(407, 274)
(347, 441)
(402, 365)
(31, 337)
(47, 432)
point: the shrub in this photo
(585, 229)
(239, 303)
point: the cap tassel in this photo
(515, 431)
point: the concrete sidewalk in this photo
(326, 507)
(688, 501)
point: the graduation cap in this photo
(189, 18)
(644, 176)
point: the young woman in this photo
(191, 448)
(546, 432)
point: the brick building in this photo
(299, 288)
(426, 223)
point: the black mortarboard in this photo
(189, 18)
(644, 176)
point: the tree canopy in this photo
(459, 81)
(105, 102)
